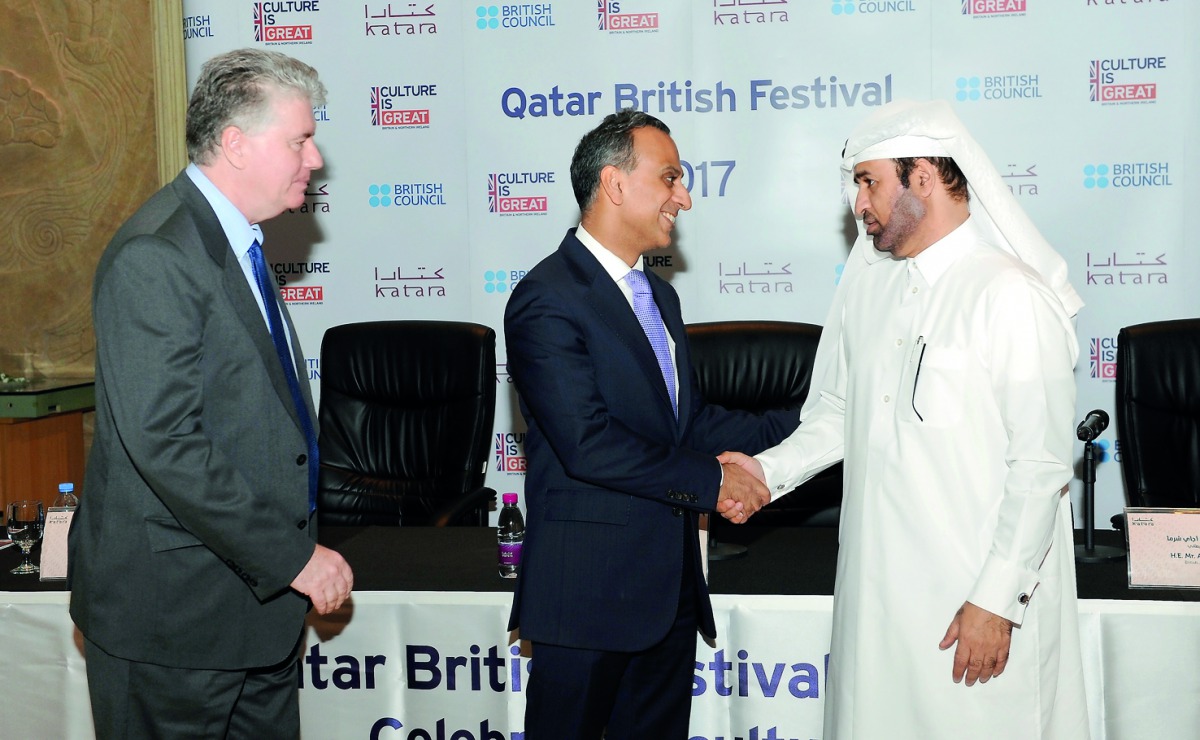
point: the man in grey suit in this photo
(193, 554)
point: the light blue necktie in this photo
(279, 337)
(652, 323)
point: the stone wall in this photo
(77, 156)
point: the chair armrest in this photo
(457, 512)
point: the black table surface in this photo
(779, 560)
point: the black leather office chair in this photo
(406, 423)
(1158, 412)
(761, 365)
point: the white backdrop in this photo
(450, 126)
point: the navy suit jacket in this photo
(193, 519)
(614, 482)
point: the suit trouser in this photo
(581, 694)
(132, 700)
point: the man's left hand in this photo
(983, 640)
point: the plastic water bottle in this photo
(66, 498)
(510, 532)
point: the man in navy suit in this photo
(621, 452)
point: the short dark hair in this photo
(949, 173)
(610, 143)
(233, 89)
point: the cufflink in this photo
(1023, 599)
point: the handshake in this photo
(743, 489)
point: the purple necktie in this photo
(652, 323)
(279, 337)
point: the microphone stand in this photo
(1089, 552)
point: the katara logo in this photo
(740, 278)
(725, 14)
(1119, 268)
(414, 282)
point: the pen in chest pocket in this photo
(919, 356)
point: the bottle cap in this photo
(66, 487)
(509, 498)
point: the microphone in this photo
(1093, 424)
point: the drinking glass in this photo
(25, 522)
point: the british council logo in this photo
(488, 17)
(968, 89)
(381, 195)
(495, 281)
(1095, 176)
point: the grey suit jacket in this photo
(193, 517)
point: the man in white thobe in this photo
(947, 387)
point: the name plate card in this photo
(54, 544)
(1164, 547)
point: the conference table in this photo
(778, 561)
(422, 651)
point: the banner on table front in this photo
(439, 666)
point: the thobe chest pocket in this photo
(934, 382)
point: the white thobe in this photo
(952, 402)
